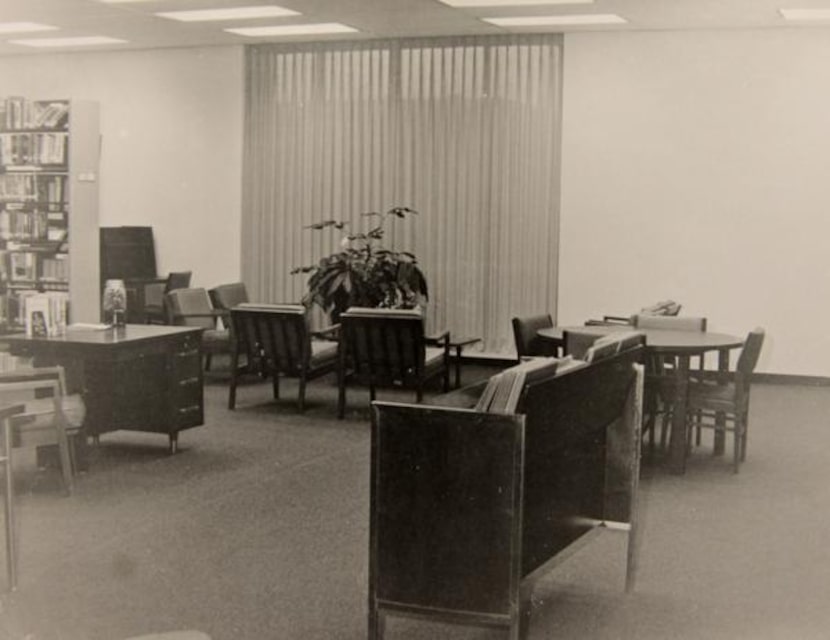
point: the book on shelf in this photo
(22, 265)
(21, 113)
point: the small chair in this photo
(154, 310)
(227, 296)
(527, 342)
(383, 347)
(276, 339)
(192, 308)
(6, 412)
(49, 417)
(721, 401)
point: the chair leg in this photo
(744, 434)
(275, 384)
(63, 452)
(208, 358)
(301, 398)
(736, 454)
(234, 377)
(11, 551)
(341, 398)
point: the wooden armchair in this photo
(383, 347)
(720, 400)
(49, 416)
(276, 340)
(192, 308)
(227, 296)
(154, 298)
(527, 342)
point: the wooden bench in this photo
(469, 508)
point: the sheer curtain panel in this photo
(466, 131)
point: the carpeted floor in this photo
(258, 529)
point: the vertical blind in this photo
(465, 130)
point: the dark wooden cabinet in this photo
(138, 377)
(129, 254)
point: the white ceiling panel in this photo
(137, 23)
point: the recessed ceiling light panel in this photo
(24, 27)
(293, 30)
(805, 15)
(558, 21)
(510, 3)
(83, 41)
(234, 13)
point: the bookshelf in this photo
(49, 153)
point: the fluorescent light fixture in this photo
(805, 15)
(558, 21)
(293, 29)
(84, 41)
(510, 3)
(24, 27)
(234, 13)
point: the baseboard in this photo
(785, 378)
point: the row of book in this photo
(24, 225)
(20, 113)
(32, 266)
(33, 148)
(22, 187)
(41, 313)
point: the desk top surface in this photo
(89, 335)
(656, 339)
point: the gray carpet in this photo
(258, 529)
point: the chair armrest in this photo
(33, 378)
(617, 319)
(329, 333)
(438, 340)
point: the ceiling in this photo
(136, 23)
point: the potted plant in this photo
(364, 272)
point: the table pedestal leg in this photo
(677, 438)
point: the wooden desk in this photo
(680, 344)
(138, 377)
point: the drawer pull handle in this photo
(187, 354)
(190, 409)
(188, 381)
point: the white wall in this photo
(171, 154)
(695, 167)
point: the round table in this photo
(680, 344)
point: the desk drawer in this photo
(187, 363)
(190, 415)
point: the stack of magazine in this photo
(502, 393)
(46, 313)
